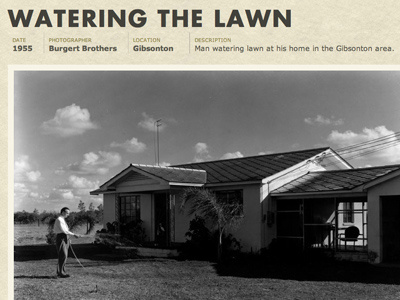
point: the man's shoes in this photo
(63, 276)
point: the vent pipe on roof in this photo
(157, 142)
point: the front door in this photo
(161, 219)
(391, 228)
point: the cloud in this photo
(24, 180)
(201, 148)
(266, 152)
(148, 123)
(69, 193)
(34, 195)
(23, 171)
(391, 154)
(20, 188)
(228, 155)
(59, 194)
(94, 163)
(320, 120)
(82, 183)
(202, 152)
(33, 176)
(69, 121)
(132, 146)
(78, 185)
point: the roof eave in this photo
(233, 183)
(340, 158)
(186, 184)
(326, 194)
(101, 191)
(381, 179)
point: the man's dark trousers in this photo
(62, 250)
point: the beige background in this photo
(314, 23)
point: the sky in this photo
(74, 130)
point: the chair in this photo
(350, 235)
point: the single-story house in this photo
(305, 199)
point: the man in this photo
(62, 232)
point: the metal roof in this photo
(245, 169)
(253, 168)
(173, 174)
(333, 181)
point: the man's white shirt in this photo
(61, 226)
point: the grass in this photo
(103, 278)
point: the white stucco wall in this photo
(388, 188)
(249, 232)
(109, 209)
(182, 220)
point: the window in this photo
(348, 212)
(231, 196)
(129, 208)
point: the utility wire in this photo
(365, 148)
(382, 147)
(368, 147)
(365, 151)
(378, 140)
(356, 148)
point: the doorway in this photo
(161, 219)
(390, 206)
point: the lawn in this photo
(105, 278)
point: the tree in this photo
(99, 213)
(222, 214)
(81, 206)
(35, 215)
(91, 206)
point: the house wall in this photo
(388, 188)
(182, 220)
(249, 232)
(109, 209)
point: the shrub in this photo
(198, 244)
(130, 234)
(51, 236)
(201, 243)
(134, 232)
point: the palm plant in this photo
(222, 214)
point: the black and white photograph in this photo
(206, 184)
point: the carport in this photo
(354, 214)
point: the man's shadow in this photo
(34, 277)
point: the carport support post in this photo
(335, 239)
(304, 227)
